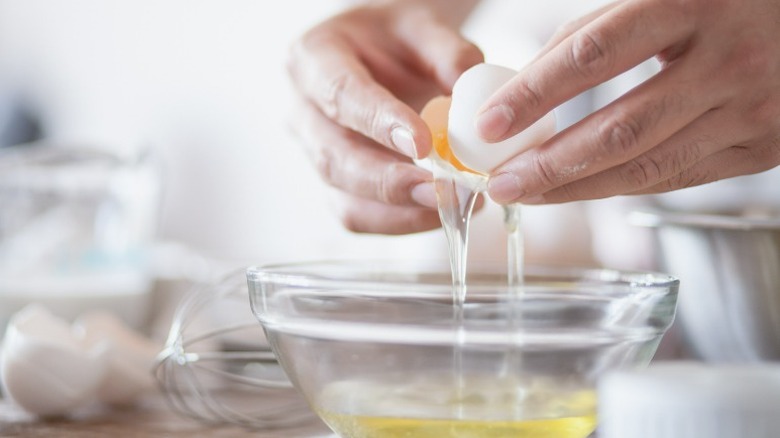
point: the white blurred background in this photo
(203, 83)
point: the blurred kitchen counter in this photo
(151, 417)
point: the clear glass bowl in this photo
(377, 351)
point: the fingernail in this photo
(493, 123)
(425, 195)
(505, 188)
(404, 141)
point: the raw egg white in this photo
(452, 123)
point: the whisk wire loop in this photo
(222, 373)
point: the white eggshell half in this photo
(470, 92)
(45, 369)
(129, 355)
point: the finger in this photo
(625, 129)
(366, 216)
(569, 28)
(734, 161)
(613, 43)
(328, 71)
(445, 55)
(707, 135)
(355, 164)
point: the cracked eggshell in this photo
(129, 356)
(470, 92)
(436, 114)
(46, 369)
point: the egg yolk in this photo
(435, 114)
(442, 148)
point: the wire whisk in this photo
(218, 367)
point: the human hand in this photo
(712, 112)
(362, 77)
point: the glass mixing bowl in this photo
(377, 350)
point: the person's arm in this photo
(712, 112)
(362, 76)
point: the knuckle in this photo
(691, 178)
(544, 171)
(698, 178)
(642, 172)
(567, 193)
(687, 154)
(378, 124)
(351, 214)
(765, 116)
(333, 92)
(658, 164)
(371, 120)
(351, 220)
(590, 53)
(326, 164)
(525, 96)
(751, 61)
(756, 63)
(618, 136)
(393, 187)
(410, 222)
(329, 91)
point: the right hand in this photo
(362, 77)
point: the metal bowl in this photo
(729, 268)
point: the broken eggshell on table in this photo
(50, 367)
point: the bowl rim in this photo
(283, 273)
(658, 219)
(593, 281)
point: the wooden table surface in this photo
(151, 417)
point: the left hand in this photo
(361, 77)
(712, 112)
